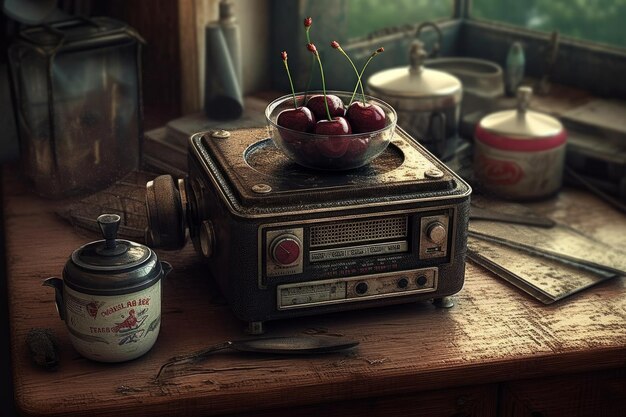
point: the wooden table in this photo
(497, 351)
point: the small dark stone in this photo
(43, 348)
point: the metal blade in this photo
(293, 345)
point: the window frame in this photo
(590, 66)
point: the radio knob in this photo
(361, 288)
(285, 250)
(437, 232)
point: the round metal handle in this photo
(166, 213)
(207, 239)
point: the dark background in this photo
(157, 22)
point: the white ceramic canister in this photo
(110, 296)
(427, 101)
(519, 154)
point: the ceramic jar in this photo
(110, 296)
(519, 154)
(427, 101)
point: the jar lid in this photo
(95, 256)
(111, 264)
(415, 81)
(521, 123)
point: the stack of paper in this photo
(549, 263)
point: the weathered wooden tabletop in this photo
(493, 333)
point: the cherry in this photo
(366, 117)
(333, 146)
(337, 126)
(358, 147)
(300, 119)
(317, 106)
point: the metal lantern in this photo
(77, 98)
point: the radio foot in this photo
(255, 328)
(444, 302)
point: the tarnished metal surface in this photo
(249, 158)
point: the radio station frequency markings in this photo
(306, 294)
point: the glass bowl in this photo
(329, 152)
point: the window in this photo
(367, 16)
(594, 20)
(471, 28)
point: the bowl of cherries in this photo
(354, 136)
(330, 130)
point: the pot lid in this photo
(522, 123)
(415, 80)
(110, 254)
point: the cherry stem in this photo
(317, 55)
(295, 103)
(308, 84)
(359, 81)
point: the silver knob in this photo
(437, 232)
(524, 94)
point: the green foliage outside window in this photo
(601, 21)
(366, 16)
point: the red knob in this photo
(285, 250)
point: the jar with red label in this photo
(519, 154)
(110, 296)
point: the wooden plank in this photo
(589, 394)
(188, 46)
(494, 333)
(476, 401)
(158, 23)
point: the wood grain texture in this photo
(476, 401)
(189, 67)
(158, 23)
(597, 394)
(494, 333)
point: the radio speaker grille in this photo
(358, 231)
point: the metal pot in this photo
(427, 101)
(519, 154)
(110, 296)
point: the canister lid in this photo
(414, 81)
(111, 264)
(521, 123)
(130, 255)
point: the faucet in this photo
(551, 53)
(435, 51)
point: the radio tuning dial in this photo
(285, 250)
(437, 232)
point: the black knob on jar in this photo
(109, 225)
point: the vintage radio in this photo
(283, 241)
